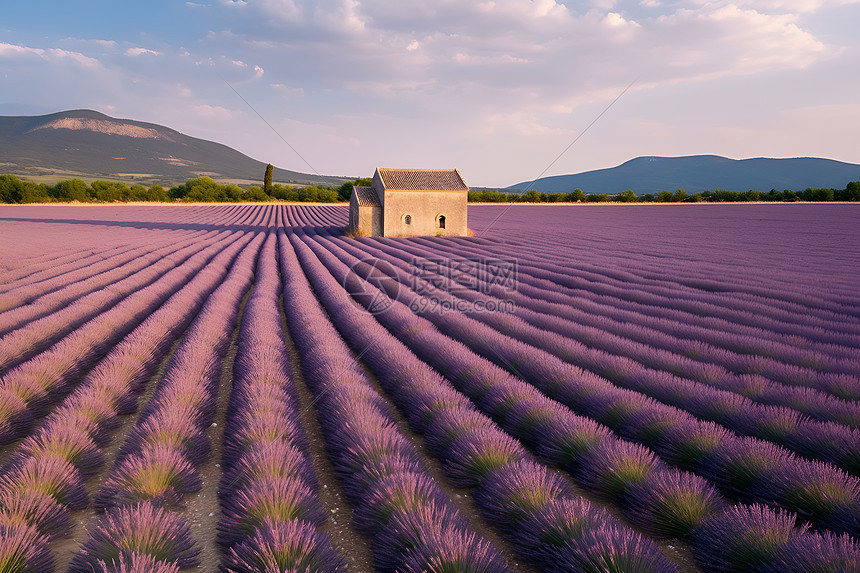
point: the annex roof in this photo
(422, 179)
(366, 196)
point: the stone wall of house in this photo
(424, 209)
(364, 220)
(375, 216)
(355, 225)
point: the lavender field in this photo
(575, 388)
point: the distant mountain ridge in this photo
(86, 143)
(698, 173)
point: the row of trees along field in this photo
(200, 189)
(14, 190)
(207, 190)
(850, 193)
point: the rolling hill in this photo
(703, 172)
(91, 145)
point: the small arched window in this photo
(407, 219)
(441, 221)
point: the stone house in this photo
(410, 203)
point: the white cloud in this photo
(422, 43)
(454, 71)
(733, 40)
(278, 11)
(11, 50)
(55, 55)
(135, 52)
(341, 16)
(212, 111)
(467, 65)
(604, 5)
(620, 29)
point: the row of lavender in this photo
(556, 329)
(28, 339)
(413, 524)
(747, 248)
(780, 424)
(71, 249)
(628, 474)
(826, 440)
(718, 323)
(28, 390)
(34, 301)
(268, 490)
(45, 477)
(60, 317)
(710, 295)
(156, 467)
(531, 506)
(271, 515)
(739, 352)
(634, 408)
(660, 323)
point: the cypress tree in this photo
(267, 180)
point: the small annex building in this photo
(410, 203)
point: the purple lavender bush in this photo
(811, 553)
(23, 549)
(142, 528)
(744, 538)
(294, 545)
(517, 490)
(672, 503)
(394, 494)
(49, 475)
(278, 500)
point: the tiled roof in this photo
(366, 196)
(423, 179)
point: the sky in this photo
(504, 90)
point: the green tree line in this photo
(14, 190)
(850, 193)
(200, 189)
(207, 190)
